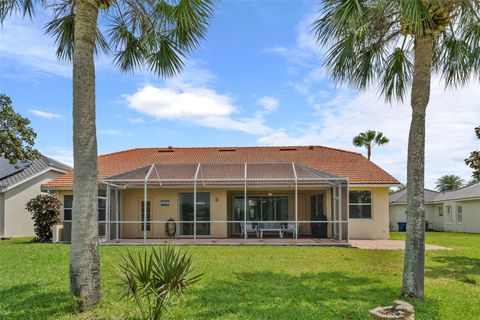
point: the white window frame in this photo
(440, 211)
(449, 210)
(66, 208)
(149, 215)
(362, 204)
(459, 212)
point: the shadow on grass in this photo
(268, 295)
(29, 301)
(454, 267)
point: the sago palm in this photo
(154, 34)
(398, 45)
(369, 139)
(449, 182)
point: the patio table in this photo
(279, 230)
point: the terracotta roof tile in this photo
(355, 167)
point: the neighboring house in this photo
(303, 191)
(18, 184)
(457, 211)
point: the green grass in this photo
(254, 282)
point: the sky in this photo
(257, 79)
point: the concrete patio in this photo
(388, 245)
(307, 241)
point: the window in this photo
(143, 216)
(102, 209)
(67, 207)
(360, 204)
(262, 208)
(440, 211)
(459, 214)
(449, 215)
(203, 214)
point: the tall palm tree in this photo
(155, 34)
(369, 139)
(398, 45)
(449, 182)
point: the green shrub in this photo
(153, 276)
(45, 210)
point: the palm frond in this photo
(397, 75)
(24, 7)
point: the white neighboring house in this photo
(18, 184)
(456, 211)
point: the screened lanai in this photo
(242, 202)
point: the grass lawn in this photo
(254, 282)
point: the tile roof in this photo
(400, 197)
(469, 192)
(431, 196)
(10, 174)
(351, 165)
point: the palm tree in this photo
(398, 45)
(370, 139)
(155, 34)
(449, 182)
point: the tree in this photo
(397, 46)
(474, 160)
(45, 210)
(16, 137)
(154, 34)
(449, 182)
(370, 139)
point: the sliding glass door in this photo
(203, 214)
(261, 208)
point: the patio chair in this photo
(290, 228)
(250, 229)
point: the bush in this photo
(45, 210)
(152, 277)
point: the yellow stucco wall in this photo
(378, 226)
(375, 228)
(131, 211)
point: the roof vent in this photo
(227, 150)
(310, 147)
(288, 149)
(166, 150)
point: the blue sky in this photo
(256, 80)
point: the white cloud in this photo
(45, 114)
(268, 103)
(192, 101)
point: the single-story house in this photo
(235, 193)
(18, 184)
(456, 211)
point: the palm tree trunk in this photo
(413, 273)
(84, 257)
(369, 152)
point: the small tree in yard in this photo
(152, 277)
(45, 210)
(474, 161)
(16, 137)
